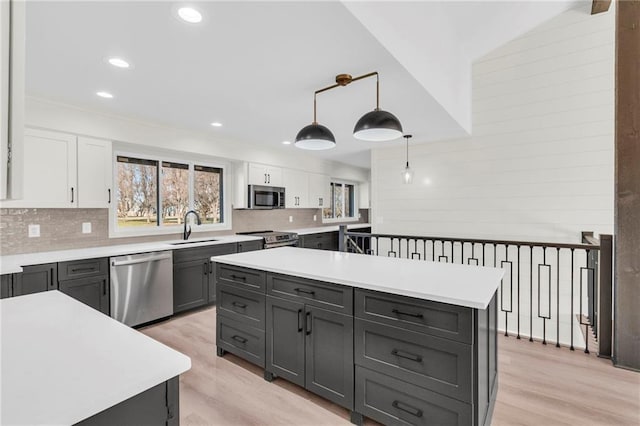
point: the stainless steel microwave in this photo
(266, 197)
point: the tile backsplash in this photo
(61, 229)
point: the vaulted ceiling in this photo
(253, 66)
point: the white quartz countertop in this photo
(62, 361)
(331, 228)
(463, 285)
(14, 263)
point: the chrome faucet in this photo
(187, 232)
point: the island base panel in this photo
(157, 406)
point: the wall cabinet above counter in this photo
(65, 171)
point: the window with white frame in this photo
(342, 199)
(154, 194)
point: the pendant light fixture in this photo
(407, 173)
(375, 126)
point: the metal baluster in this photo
(531, 293)
(518, 316)
(571, 319)
(558, 297)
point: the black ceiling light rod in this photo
(377, 125)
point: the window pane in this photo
(348, 200)
(208, 194)
(174, 189)
(137, 199)
(327, 212)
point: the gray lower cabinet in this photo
(35, 278)
(320, 241)
(156, 406)
(6, 282)
(312, 347)
(250, 246)
(194, 282)
(86, 280)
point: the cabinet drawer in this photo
(438, 319)
(250, 246)
(240, 339)
(250, 279)
(438, 364)
(82, 268)
(333, 297)
(242, 305)
(391, 401)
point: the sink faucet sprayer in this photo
(186, 231)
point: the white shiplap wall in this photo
(539, 163)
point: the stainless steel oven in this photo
(273, 239)
(266, 197)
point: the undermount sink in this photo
(193, 242)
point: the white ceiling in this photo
(254, 66)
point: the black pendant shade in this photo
(315, 137)
(378, 125)
(374, 126)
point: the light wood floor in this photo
(539, 385)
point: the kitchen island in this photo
(65, 363)
(396, 340)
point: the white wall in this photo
(539, 164)
(46, 114)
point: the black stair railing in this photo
(549, 290)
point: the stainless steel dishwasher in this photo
(141, 287)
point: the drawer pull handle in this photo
(82, 269)
(407, 408)
(239, 339)
(406, 355)
(304, 290)
(299, 320)
(239, 305)
(408, 314)
(238, 277)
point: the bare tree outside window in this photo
(342, 201)
(137, 192)
(208, 193)
(174, 190)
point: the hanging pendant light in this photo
(315, 136)
(378, 125)
(374, 126)
(407, 173)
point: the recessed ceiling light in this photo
(216, 124)
(190, 15)
(286, 142)
(106, 95)
(119, 62)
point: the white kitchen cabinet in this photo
(262, 174)
(319, 191)
(50, 171)
(65, 171)
(94, 173)
(297, 188)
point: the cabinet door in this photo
(285, 339)
(90, 291)
(36, 278)
(319, 191)
(5, 286)
(49, 169)
(94, 173)
(190, 284)
(296, 185)
(250, 246)
(261, 174)
(329, 355)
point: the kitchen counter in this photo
(62, 361)
(331, 228)
(463, 285)
(14, 263)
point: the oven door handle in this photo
(293, 243)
